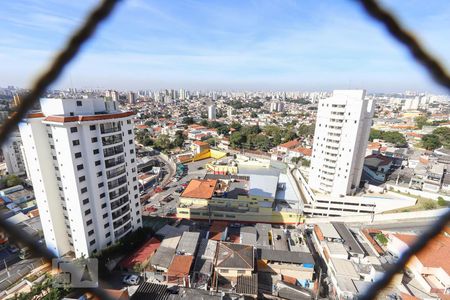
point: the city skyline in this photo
(233, 46)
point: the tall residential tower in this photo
(340, 141)
(81, 159)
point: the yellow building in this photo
(229, 199)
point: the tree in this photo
(179, 139)
(444, 135)
(381, 238)
(261, 142)
(441, 202)
(224, 129)
(305, 130)
(188, 120)
(163, 142)
(204, 123)
(237, 139)
(375, 134)
(431, 141)
(420, 121)
(10, 180)
(253, 115)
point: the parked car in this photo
(131, 279)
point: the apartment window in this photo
(108, 244)
(135, 197)
(134, 178)
(52, 147)
(102, 195)
(96, 151)
(54, 157)
(105, 216)
(78, 155)
(107, 235)
(135, 187)
(106, 225)
(82, 178)
(85, 201)
(100, 184)
(75, 142)
(87, 212)
(50, 135)
(99, 174)
(92, 242)
(132, 160)
(97, 163)
(89, 222)
(92, 127)
(103, 205)
(137, 213)
(129, 131)
(137, 204)
(130, 142)
(139, 220)
(131, 151)
(128, 121)
(79, 103)
(91, 232)
(80, 167)
(73, 129)
(94, 140)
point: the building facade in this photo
(340, 141)
(211, 112)
(13, 153)
(81, 160)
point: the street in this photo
(195, 170)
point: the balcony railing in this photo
(114, 161)
(105, 128)
(117, 182)
(117, 193)
(119, 233)
(119, 202)
(112, 139)
(113, 151)
(115, 172)
(120, 222)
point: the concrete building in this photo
(212, 111)
(13, 153)
(81, 159)
(131, 97)
(276, 106)
(340, 140)
(115, 95)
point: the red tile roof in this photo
(435, 254)
(304, 151)
(200, 143)
(200, 188)
(290, 144)
(180, 266)
(142, 254)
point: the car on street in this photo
(131, 279)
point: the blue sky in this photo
(232, 45)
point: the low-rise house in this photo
(179, 269)
(188, 243)
(299, 265)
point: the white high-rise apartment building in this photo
(82, 162)
(212, 111)
(13, 153)
(131, 97)
(340, 141)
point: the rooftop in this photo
(234, 256)
(200, 188)
(435, 254)
(181, 265)
(142, 254)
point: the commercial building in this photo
(81, 161)
(340, 141)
